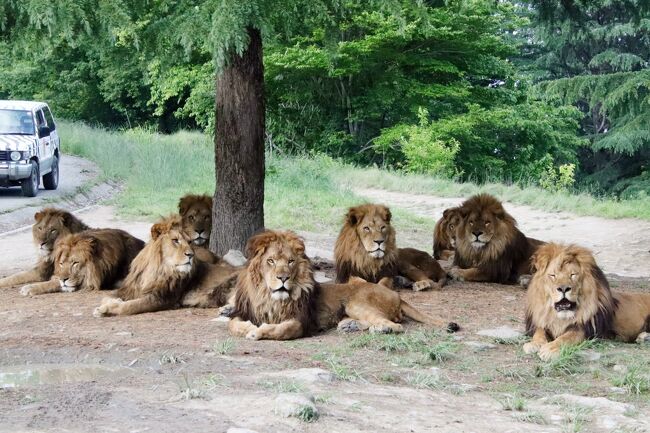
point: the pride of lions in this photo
(274, 294)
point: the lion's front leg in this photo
(118, 307)
(287, 330)
(551, 350)
(25, 277)
(469, 274)
(51, 286)
(239, 328)
(538, 340)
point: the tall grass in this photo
(302, 193)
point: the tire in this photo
(51, 180)
(30, 185)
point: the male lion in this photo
(366, 248)
(50, 224)
(489, 246)
(444, 234)
(164, 273)
(568, 300)
(196, 214)
(360, 305)
(90, 260)
(276, 294)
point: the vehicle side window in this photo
(40, 119)
(49, 118)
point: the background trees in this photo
(502, 90)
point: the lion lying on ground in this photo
(568, 300)
(444, 234)
(90, 260)
(276, 294)
(366, 248)
(489, 246)
(50, 224)
(165, 274)
(359, 305)
(196, 214)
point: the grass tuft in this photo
(224, 347)
(307, 414)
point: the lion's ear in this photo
(356, 280)
(257, 244)
(541, 259)
(183, 205)
(386, 282)
(353, 216)
(386, 215)
(39, 216)
(157, 230)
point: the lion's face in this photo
(71, 256)
(175, 248)
(49, 226)
(279, 259)
(372, 226)
(452, 221)
(196, 213)
(483, 220)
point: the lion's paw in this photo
(26, 290)
(254, 334)
(349, 325)
(456, 273)
(531, 347)
(107, 307)
(227, 310)
(418, 286)
(401, 282)
(548, 352)
(386, 329)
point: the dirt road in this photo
(62, 370)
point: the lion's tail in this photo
(410, 311)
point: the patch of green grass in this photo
(170, 358)
(532, 417)
(307, 413)
(189, 391)
(515, 403)
(577, 417)
(635, 380)
(568, 362)
(224, 347)
(423, 380)
(338, 368)
(426, 344)
(282, 386)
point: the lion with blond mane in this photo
(166, 274)
(49, 225)
(366, 248)
(569, 300)
(90, 260)
(489, 246)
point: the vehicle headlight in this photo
(16, 156)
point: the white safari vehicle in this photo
(29, 146)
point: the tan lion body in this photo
(568, 300)
(50, 224)
(276, 294)
(196, 215)
(91, 260)
(163, 273)
(360, 305)
(489, 246)
(632, 316)
(366, 248)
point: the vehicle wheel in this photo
(30, 185)
(51, 180)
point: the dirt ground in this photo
(62, 370)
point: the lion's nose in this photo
(379, 242)
(477, 234)
(283, 278)
(564, 289)
(189, 254)
(65, 280)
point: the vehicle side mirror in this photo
(43, 131)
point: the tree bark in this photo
(238, 207)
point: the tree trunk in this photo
(238, 209)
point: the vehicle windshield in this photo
(16, 122)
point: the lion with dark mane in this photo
(50, 224)
(90, 260)
(489, 246)
(444, 234)
(196, 215)
(569, 300)
(366, 248)
(166, 274)
(276, 294)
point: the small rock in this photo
(590, 355)
(504, 332)
(240, 430)
(235, 258)
(124, 333)
(600, 403)
(643, 338)
(617, 390)
(620, 368)
(288, 405)
(477, 346)
(610, 423)
(435, 372)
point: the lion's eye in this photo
(471, 223)
(191, 218)
(75, 263)
(53, 231)
(383, 228)
(270, 262)
(40, 229)
(487, 223)
(176, 241)
(552, 276)
(366, 229)
(573, 276)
